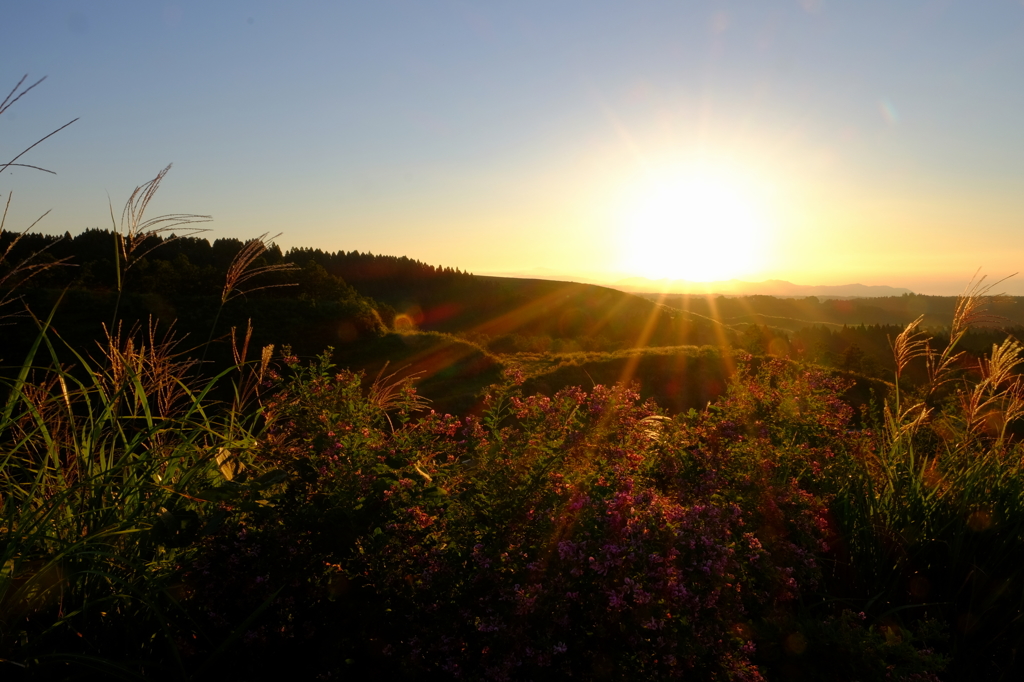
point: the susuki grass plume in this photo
(389, 393)
(249, 387)
(135, 229)
(12, 97)
(151, 369)
(910, 344)
(913, 343)
(242, 271)
(98, 502)
(101, 470)
(14, 274)
(997, 399)
(930, 507)
(972, 306)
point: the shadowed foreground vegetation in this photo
(585, 498)
(316, 522)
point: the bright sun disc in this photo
(698, 228)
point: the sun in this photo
(700, 226)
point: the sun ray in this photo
(633, 361)
(725, 348)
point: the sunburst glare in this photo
(700, 226)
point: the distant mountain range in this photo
(732, 287)
(771, 287)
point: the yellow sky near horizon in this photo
(820, 143)
(805, 221)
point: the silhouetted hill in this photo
(792, 314)
(446, 300)
(183, 279)
(449, 371)
(356, 302)
(771, 287)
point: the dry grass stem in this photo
(388, 393)
(160, 369)
(241, 271)
(910, 344)
(12, 97)
(998, 369)
(17, 274)
(135, 228)
(972, 304)
(251, 381)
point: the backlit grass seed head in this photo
(242, 271)
(911, 343)
(135, 228)
(266, 355)
(240, 353)
(252, 377)
(972, 306)
(998, 369)
(12, 97)
(389, 393)
(999, 396)
(16, 274)
(154, 361)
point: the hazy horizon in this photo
(938, 288)
(808, 141)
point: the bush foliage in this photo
(292, 518)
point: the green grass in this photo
(104, 478)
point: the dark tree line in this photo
(195, 266)
(180, 281)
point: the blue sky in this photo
(879, 142)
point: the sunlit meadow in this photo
(285, 448)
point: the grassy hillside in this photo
(792, 314)
(450, 372)
(312, 299)
(496, 306)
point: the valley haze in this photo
(732, 287)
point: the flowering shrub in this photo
(581, 534)
(559, 555)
